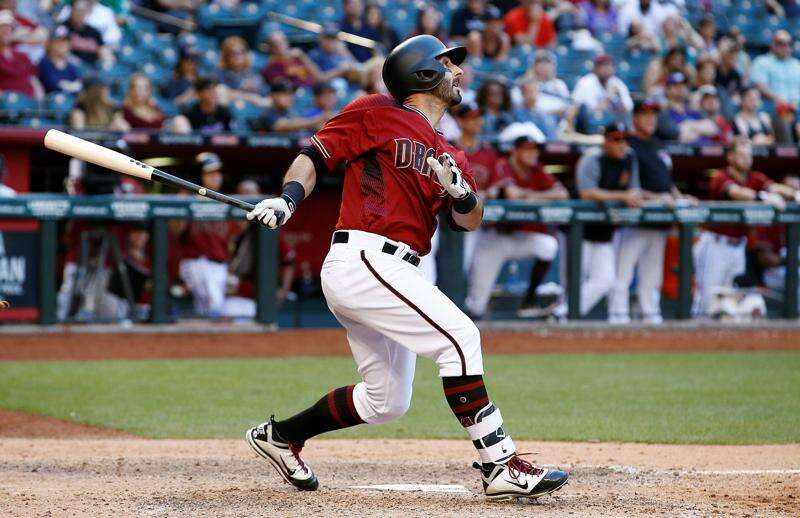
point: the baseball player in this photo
(518, 177)
(720, 251)
(641, 249)
(398, 173)
(204, 266)
(604, 174)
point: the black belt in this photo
(341, 236)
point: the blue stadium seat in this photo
(244, 110)
(303, 99)
(59, 103)
(16, 105)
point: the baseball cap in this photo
(525, 142)
(491, 13)
(281, 86)
(676, 78)
(642, 104)
(60, 33)
(708, 90)
(615, 130)
(329, 30)
(209, 162)
(205, 82)
(468, 110)
(603, 59)
(322, 87)
(7, 17)
(544, 55)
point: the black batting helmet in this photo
(412, 66)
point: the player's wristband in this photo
(466, 204)
(293, 193)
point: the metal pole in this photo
(47, 271)
(685, 270)
(574, 250)
(266, 274)
(450, 264)
(790, 297)
(160, 244)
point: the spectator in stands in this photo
(17, 73)
(530, 24)
(180, 87)
(601, 91)
(677, 121)
(332, 57)
(5, 190)
(784, 8)
(785, 124)
(777, 73)
(94, 108)
(86, 41)
(728, 78)
(429, 21)
(660, 68)
(374, 19)
(707, 30)
(554, 97)
(288, 63)
(600, 17)
(710, 110)
(325, 100)
(280, 117)
(752, 123)
(102, 19)
(467, 19)
(676, 32)
(238, 80)
(207, 115)
(528, 111)
(604, 174)
(29, 35)
(495, 41)
(651, 14)
(56, 71)
(494, 100)
(139, 109)
(354, 24)
(372, 77)
(637, 38)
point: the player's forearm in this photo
(601, 195)
(782, 189)
(472, 219)
(302, 171)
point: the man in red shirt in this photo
(17, 73)
(529, 24)
(719, 254)
(519, 177)
(399, 174)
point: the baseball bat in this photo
(314, 27)
(98, 155)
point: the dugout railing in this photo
(572, 216)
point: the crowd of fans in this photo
(566, 66)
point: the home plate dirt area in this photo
(117, 476)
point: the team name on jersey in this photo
(413, 154)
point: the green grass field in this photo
(722, 398)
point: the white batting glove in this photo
(267, 212)
(772, 198)
(450, 176)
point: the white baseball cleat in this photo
(518, 478)
(284, 456)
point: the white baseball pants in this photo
(639, 250)
(598, 272)
(392, 314)
(492, 250)
(717, 262)
(206, 280)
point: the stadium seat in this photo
(60, 104)
(18, 104)
(244, 110)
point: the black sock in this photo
(538, 272)
(470, 402)
(333, 411)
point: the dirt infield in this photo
(139, 477)
(332, 342)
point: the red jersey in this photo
(16, 71)
(483, 160)
(772, 238)
(209, 239)
(534, 178)
(721, 181)
(388, 187)
(517, 21)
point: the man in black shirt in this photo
(467, 19)
(85, 41)
(206, 115)
(641, 249)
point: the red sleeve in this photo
(547, 32)
(500, 174)
(719, 185)
(758, 181)
(543, 181)
(516, 21)
(345, 137)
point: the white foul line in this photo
(424, 488)
(634, 470)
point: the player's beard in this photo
(447, 92)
